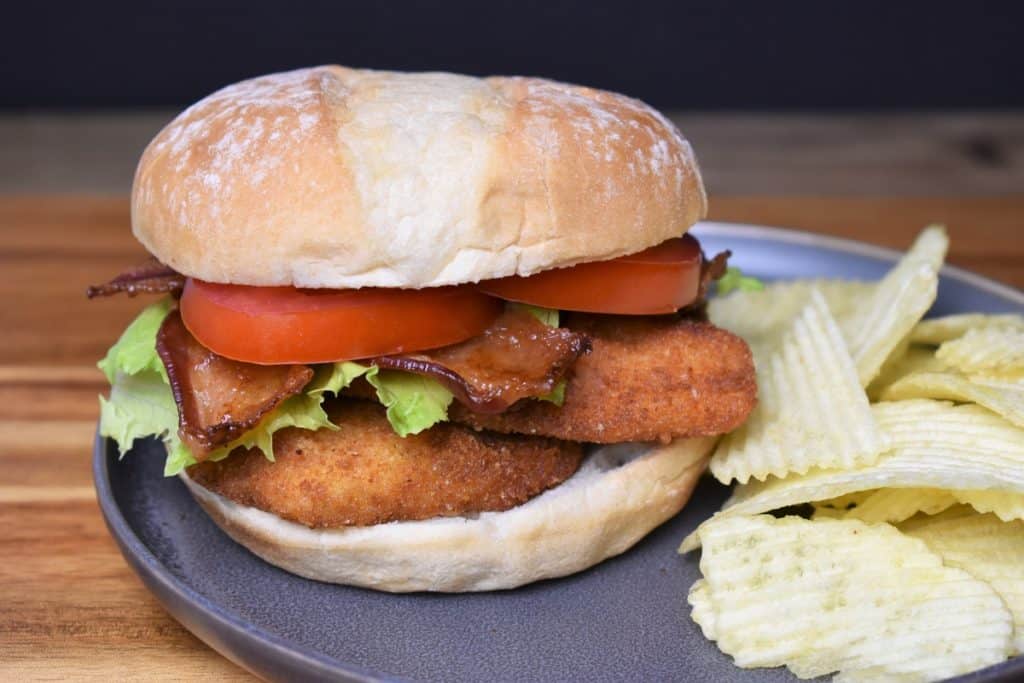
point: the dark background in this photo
(701, 54)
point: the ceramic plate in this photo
(626, 619)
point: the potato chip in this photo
(702, 612)
(911, 360)
(986, 548)
(986, 351)
(1004, 397)
(874, 318)
(878, 323)
(935, 331)
(811, 412)
(932, 444)
(897, 505)
(917, 521)
(1004, 505)
(836, 508)
(847, 501)
(763, 317)
(861, 599)
(820, 512)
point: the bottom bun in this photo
(619, 494)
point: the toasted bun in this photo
(344, 178)
(617, 497)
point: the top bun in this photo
(344, 178)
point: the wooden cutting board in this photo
(69, 606)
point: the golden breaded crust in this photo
(645, 379)
(364, 474)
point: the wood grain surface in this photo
(70, 608)
(929, 153)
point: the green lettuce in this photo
(548, 316)
(135, 351)
(413, 402)
(142, 405)
(556, 395)
(734, 280)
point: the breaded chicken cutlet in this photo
(364, 474)
(645, 379)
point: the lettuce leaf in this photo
(135, 351)
(413, 402)
(556, 395)
(734, 279)
(334, 377)
(548, 316)
(142, 405)
(304, 411)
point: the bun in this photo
(617, 497)
(345, 178)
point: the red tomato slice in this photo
(661, 279)
(271, 325)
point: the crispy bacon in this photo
(220, 399)
(516, 357)
(711, 271)
(151, 277)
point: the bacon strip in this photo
(151, 277)
(220, 399)
(516, 357)
(710, 271)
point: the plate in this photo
(626, 619)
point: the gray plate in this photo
(626, 619)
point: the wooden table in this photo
(69, 606)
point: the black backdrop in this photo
(697, 54)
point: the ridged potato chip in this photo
(913, 359)
(897, 505)
(874, 318)
(702, 613)
(877, 324)
(763, 317)
(861, 599)
(845, 502)
(1004, 397)
(986, 548)
(836, 508)
(931, 444)
(1006, 506)
(935, 331)
(811, 412)
(986, 351)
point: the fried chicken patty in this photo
(364, 474)
(645, 379)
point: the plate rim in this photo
(770, 233)
(160, 581)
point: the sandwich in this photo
(425, 331)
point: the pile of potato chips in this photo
(906, 437)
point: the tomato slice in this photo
(661, 279)
(271, 325)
